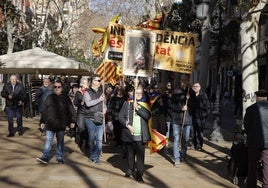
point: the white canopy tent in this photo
(38, 61)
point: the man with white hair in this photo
(14, 94)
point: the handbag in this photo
(98, 118)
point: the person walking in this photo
(14, 94)
(201, 110)
(65, 84)
(82, 137)
(167, 110)
(181, 120)
(42, 93)
(58, 112)
(117, 102)
(256, 129)
(134, 117)
(96, 109)
(158, 110)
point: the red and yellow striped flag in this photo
(107, 71)
(153, 24)
(158, 141)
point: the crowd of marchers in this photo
(96, 113)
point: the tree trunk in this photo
(9, 36)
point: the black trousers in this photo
(254, 156)
(198, 127)
(136, 150)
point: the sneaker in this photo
(20, 133)
(128, 173)
(10, 135)
(42, 160)
(183, 160)
(177, 163)
(139, 179)
(60, 161)
(95, 161)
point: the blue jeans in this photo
(49, 142)
(95, 139)
(10, 115)
(168, 123)
(185, 140)
(81, 122)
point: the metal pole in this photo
(216, 134)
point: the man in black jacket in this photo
(201, 109)
(181, 119)
(256, 128)
(14, 94)
(58, 112)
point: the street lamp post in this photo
(216, 134)
(202, 7)
(202, 12)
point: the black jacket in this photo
(178, 100)
(17, 95)
(256, 125)
(58, 112)
(126, 115)
(200, 106)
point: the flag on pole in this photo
(107, 72)
(95, 48)
(158, 141)
(153, 24)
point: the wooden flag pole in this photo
(184, 114)
(103, 103)
(135, 99)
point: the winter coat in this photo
(18, 94)
(126, 118)
(256, 125)
(58, 112)
(178, 100)
(41, 95)
(201, 106)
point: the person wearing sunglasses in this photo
(94, 100)
(58, 112)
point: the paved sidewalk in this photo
(19, 167)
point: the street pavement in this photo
(19, 168)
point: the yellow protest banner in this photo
(175, 51)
